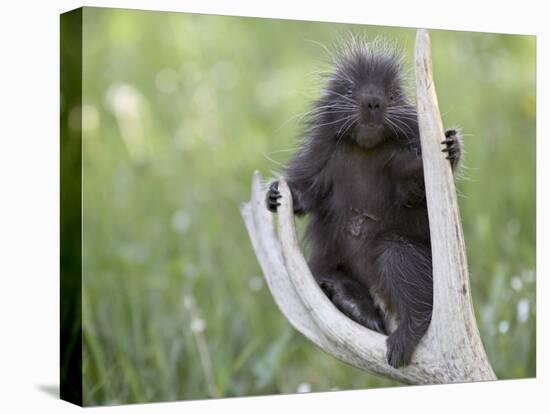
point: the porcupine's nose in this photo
(372, 109)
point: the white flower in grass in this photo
(181, 221)
(516, 283)
(304, 387)
(255, 283)
(124, 100)
(187, 301)
(198, 325)
(503, 326)
(523, 310)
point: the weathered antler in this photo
(451, 350)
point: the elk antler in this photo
(451, 350)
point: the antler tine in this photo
(259, 222)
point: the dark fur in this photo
(363, 188)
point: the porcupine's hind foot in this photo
(354, 300)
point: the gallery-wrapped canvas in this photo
(256, 206)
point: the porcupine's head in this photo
(364, 100)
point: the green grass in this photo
(179, 111)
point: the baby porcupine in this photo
(358, 174)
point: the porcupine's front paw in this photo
(453, 147)
(272, 197)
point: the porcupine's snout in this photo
(373, 108)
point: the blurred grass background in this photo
(178, 111)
